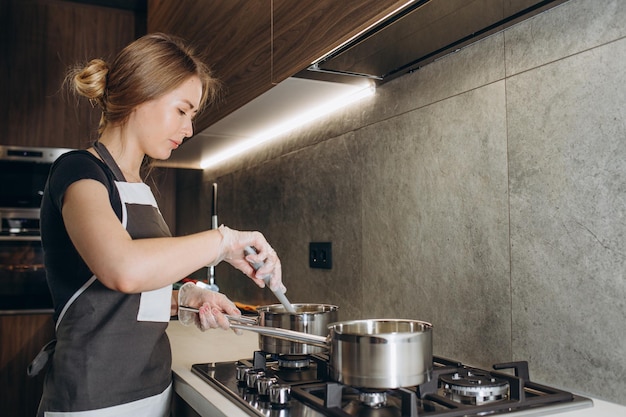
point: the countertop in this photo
(190, 346)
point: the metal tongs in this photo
(249, 250)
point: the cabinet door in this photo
(254, 44)
(41, 39)
(234, 38)
(21, 337)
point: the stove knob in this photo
(251, 377)
(280, 395)
(242, 370)
(264, 383)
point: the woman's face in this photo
(159, 126)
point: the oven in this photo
(23, 285)
(23, 175)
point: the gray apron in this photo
(112, 355)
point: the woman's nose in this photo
(188, 129)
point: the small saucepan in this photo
(311, 319)
(373, 354)
(308, 318)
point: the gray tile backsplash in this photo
(435, 222)
(485, 193)
(567, 159)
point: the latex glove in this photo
(212, 305)
(231, 250)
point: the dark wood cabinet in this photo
(21, 338)
(253, 45)
(234, 37)
(40, 40)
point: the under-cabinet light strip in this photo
(290, 124)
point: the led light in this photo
(308, 116)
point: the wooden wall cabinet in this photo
(40, 39)
(253, 45)
(234, 38)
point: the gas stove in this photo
(269, 385)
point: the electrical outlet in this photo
(321, 255)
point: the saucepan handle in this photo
(240, 319)
(285, 334)
(249, 324)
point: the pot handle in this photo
(239, 319)
(246, 323)
(285, 334)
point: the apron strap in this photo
(41, 359)
(108, 159)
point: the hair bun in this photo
(90, 80)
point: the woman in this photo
(110, 258)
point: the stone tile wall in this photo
(485, 193)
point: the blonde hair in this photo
(144, 70)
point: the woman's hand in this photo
(231, 250)
(212, 306)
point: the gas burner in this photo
(293, 362)
(471, 386)
(373, 399)
(293, 369)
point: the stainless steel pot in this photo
(374, 354)
(308, 318)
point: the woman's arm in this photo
(124, 264)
